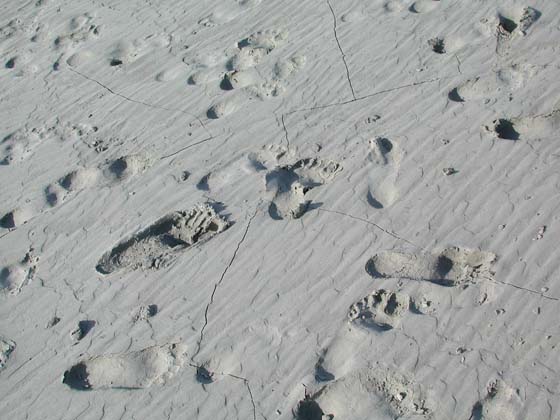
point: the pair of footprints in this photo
(245, 71)
(511, 79)
(376, 390)
(452, 267)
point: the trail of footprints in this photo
(387, 392)
(110, 173)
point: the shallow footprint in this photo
(377, 393)
(382, 191)
(139, 369)
(451, 267)
(501, 403)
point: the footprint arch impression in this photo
(156, 246)
(450, 267)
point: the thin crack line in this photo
(503, 283)
(127, 98)
(199, 344)
(369, 222)
(370, 95)
(250, 392)
(341, 51)
(186, 147)
(285, 132)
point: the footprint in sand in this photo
(381, 310)
(7, 347)
(159, 244)
(452, 266)
(111, 173)
(386, 156)
(19, 145)
(133, 370)
(374, 392)
(289, 186)
(69, 45)
(228, 11)
(424, 6)
(245, 74)
(506, 80)
(526, 128)
(14, 277)
(501, 403)
(511, 24)
(126, 52)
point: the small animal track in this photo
(133, 370)
(381, 310)
(15, 276)
(156, 246)
(453, 266)
(7, 347)
(290, 184)
(501, 403)
(376, 392)
(386, 156)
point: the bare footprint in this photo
(133, 370)
(450, 267)
(501, 403)
(375, 392)
(385, 155)
(156, 246)
(530, 127)
(14, 277)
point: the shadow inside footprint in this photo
(373, 202)
(77, 377)
(308, 409)
(506, 130)
(454, 96)
(506, 24)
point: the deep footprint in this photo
(156, 246)
(134, 370)
(451, 267)
(291, 183)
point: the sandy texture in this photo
(257, 209)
